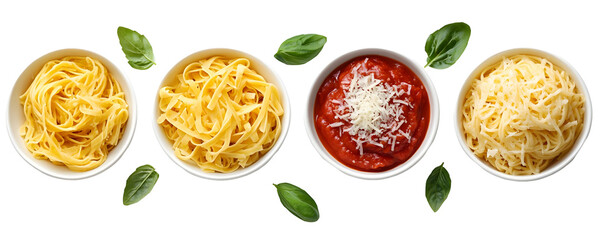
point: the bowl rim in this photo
(568, 156)
(433, 119)
(114, 155)
(256, 63)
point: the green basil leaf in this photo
(139, 184)
(445, 46)
(300, 49)
(437, 187)
(137, 48)
(298, 202)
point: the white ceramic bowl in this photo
(15, 117)
(258, 66)
(433, 120)
(563, 160)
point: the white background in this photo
(182, 206)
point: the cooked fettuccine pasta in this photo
(75, 113)
(220, 114)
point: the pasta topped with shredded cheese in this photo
(220, 115)
(75, 113)
(521, 114)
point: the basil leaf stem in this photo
(300, 49)
(137, 48)
(139, 184)
(437, 187)
(446, 45)
(298, 202)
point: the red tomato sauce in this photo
(340, 144)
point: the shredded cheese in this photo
(374, 110)
(521, 114)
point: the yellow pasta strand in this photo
(75, 113)
(221, 115)
(522, 114)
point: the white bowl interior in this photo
(257, 65)
(433, 120)
(564, 159)
(16, 118)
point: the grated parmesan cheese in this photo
(374, 110)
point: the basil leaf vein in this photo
(437, 187)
